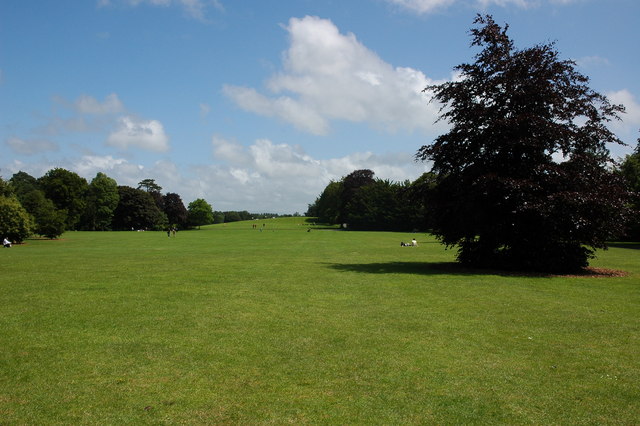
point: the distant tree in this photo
(6, 189)
(312, 209)
(68, 192)
(200, 213)
(375, 207)
(175, 210)
(49, 221)
(328, 204)
(102, 200)
(23, 183)
(630, 169)
(351, 184)
(137, 210)
(15, 223)
(218, 217)
(149, 185)
(417, 195)
(501, 197)
(232, 216)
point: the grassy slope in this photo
(232, 325)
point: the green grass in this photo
(232, 325)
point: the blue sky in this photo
(257, 104)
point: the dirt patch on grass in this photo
(591, 272)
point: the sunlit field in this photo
(289, 323)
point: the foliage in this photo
(236, 216)
(367, 203)
(49, 221)
(175, 210)
(218, 217)
(200, 213)
(137, 210)
(630, 169)
(149, 185)
(23, 183)
(351, 184)
(501, 197)
(16, 223)
(67, 190)
(5, 189)
(327, 205)
(102, 200)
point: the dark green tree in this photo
(16, 223)
(351, 184)
(149, 185)
(502, 198)
(23, 183)
(137, 210)
(375, 207)
(102, 200)
(154, 189)
(218, 217)
(327, 205)
(630, 169)
(68, 192)
(200, 213)
(175, 210)
(49, 221)
(6, 189)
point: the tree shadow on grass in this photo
(633, 246)
(426, 268)
(454, 268)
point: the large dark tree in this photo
(523, 175)
(351, 184)
(137, 210)
(67, 190)
(102, 200)
(175, 210)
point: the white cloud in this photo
(144, 134)
(262, 177)
(331, 76)
(632, 107)
(90, 165)
(30, 147)
(195, 9)
(86, 104)
(429, 6)
(422, 6)
(281, 178)
(627, 128)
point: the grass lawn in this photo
(230, 324)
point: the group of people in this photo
(171, 231)
(413, 243)
(6, 243)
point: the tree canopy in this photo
(523, 175)
(68, 191)
(200, 213)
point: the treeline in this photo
(364, 202)
(61, 200)
(237, 216)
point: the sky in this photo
(258, 104)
